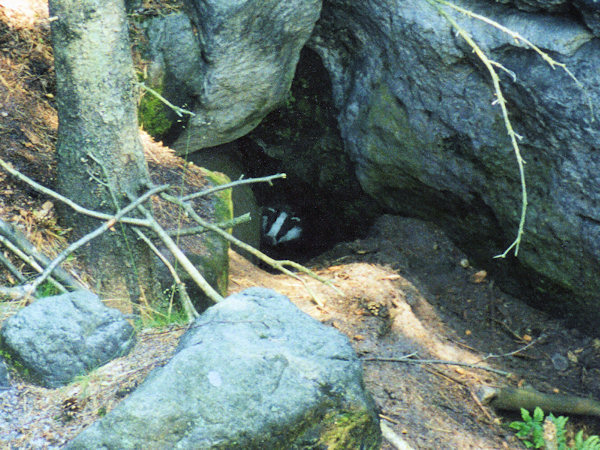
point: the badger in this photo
(280, 228)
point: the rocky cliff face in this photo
(416, 116)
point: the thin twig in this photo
(233, 184)
(180, 256)
(507, 123)
(517, 37)
(11, 268)
(67, 201)
(186, 303)
(176, 109)
(31, 261)
(519, 350)
(97, 232)
(20, 240)
(200, 229)
(406, 359)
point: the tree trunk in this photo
(100, 158)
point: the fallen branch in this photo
(21, 241)
(512, 399)
(14, 292)
(29, 260)
(94, 234)
(186, 303)
(11, 268)
(410, 360)
(239, 182)
(180, 256)
(67, 201)
(393, 438)
(200, 229)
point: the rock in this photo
(590, 10)
(252, 372)
(228, 159)
(240, 65)
(58, 338)
(208, 252)
(418, 119)
(4, 379)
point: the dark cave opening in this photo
(302, 139)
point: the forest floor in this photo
(405, 290)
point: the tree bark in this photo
(101, 161)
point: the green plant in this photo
(533, 431)
(591, 443)
(47, 289)
(530, 430)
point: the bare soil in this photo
(403, 290)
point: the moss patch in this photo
(153, 114)
(347, 430)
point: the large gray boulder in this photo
(252, 372)
(237, 68)
(59, 338)
(417, 115)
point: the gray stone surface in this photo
(4, 379)
(58, 338)
(417, 116)
(238, 68)
(253, 372)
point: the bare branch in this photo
(30, 260)
(94, 234)
(11, 268)
(233, 184)
(186, 303)
(279, 265)
(200, 229)
(410, 360)
(20, 240)
(180, 256)
(49, 192)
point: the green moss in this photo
(153, 114)
(223, 206)
(347, 430)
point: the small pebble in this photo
(560, 362)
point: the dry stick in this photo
(233, 184)
(517, 37)
(507, 124)
(11, 268)
(180, 256)
(279, 265)
(78, 208)
(393, 438)
(197, 230)
(519, 350)
(21, 241)
(97, 232)
(406, 359)
(186, 303)
(14, 292)
(30, 260)
(112, 219)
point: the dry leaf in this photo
(478, 277)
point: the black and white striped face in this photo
(280, 227)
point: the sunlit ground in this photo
(25, 12)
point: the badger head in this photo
(280, 226)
